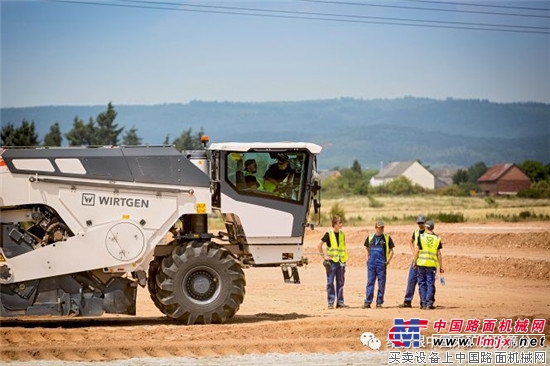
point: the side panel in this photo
(263, 224)
(157, 165)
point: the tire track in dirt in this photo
(303, 336)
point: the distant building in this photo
(503, 179)
(413, 170)
(444, 176)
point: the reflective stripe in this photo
(337, 251)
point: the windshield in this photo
(277, 175)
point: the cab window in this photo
(277, 175)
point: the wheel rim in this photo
(202, 285)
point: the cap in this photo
(429, 224)
(282, 157)
(379, 223)
(420, 219)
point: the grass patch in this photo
(522, 216)
(359, 210)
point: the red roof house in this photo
(504, 179)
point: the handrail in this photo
(115, 186)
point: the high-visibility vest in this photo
(428, 254)
(269, 186)
(260, 186)
(337, 251)
(386, 239)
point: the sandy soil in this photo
(492, 271)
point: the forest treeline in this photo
(103, 131)
(449, 133)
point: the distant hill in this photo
(439, 133)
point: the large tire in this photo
(154, 267)
(200, 283)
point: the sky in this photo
(153, 52)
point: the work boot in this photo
(342, 306)
(379, 306)
(331, 306)
(366, 305)
(406, 304)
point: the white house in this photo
(413, 170)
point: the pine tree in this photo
(107, 130)
(79, 135)
(186, 141)
(53, 138)
(23, 136)
(131, 137)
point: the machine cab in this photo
(260, 180)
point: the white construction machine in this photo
(81, 228)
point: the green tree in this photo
(534, 170)
(401, 186)
(540, 189)
(53, 138)
(461, 176)
(7, 134)
(348, 181)
(102, 131)
(25, 135)
(465, 180)
(107, 130)
(356, 167)
(476, 171)
(131, 137)
(82, 134)
(186, 141)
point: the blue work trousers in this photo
(411, 283)
(374, 272)
(426, 285)
(336, 278)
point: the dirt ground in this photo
(493, 271)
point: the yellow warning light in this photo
(125, 217)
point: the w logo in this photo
(88, 199)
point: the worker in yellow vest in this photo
(335, 254)
(412, 278)
(428, 258)
(278, 175)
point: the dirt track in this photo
(492, 271)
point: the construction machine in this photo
(82, 227)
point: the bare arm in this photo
(320, 249)
(390, 256)
(411, 245)
(440, 261)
